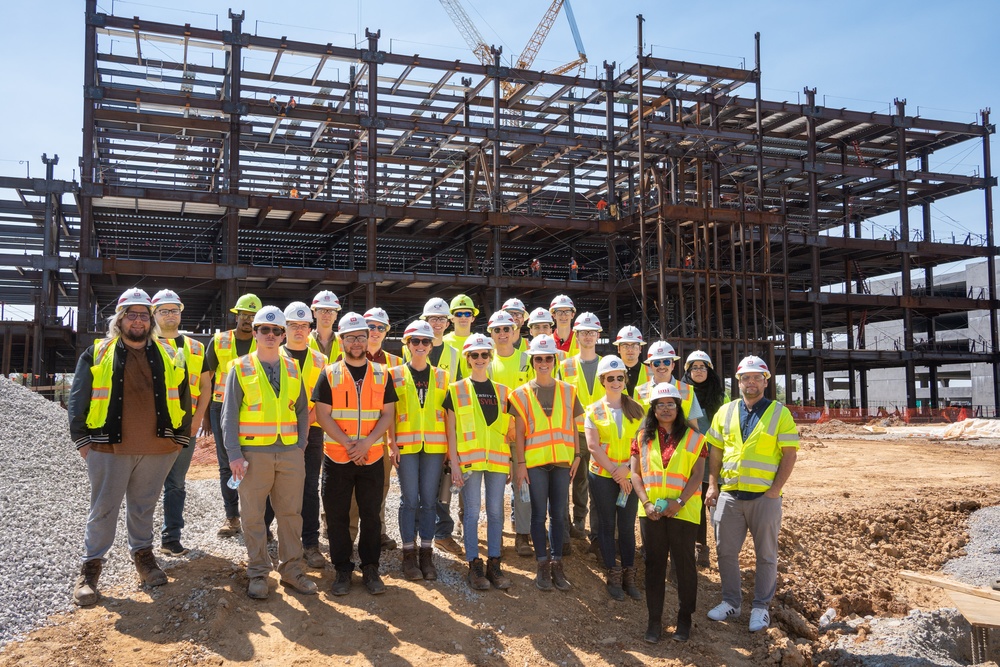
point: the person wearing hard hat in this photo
(754, 446)
(418, 447)
(509, 367)
(629, 342)
(580, 370)
(515, 308)
(129, 416)
(700, 374)
(265, 425)
(325, 308)
(667, 462)
(167, 309)
(546, 457)
(480, 430)
(540, 323)
(610, 426)
(355, 405)
(436, 313)
(463, 313)
(563, 310)
(660, 358)
(225, 348)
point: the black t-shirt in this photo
(435, 356)
(212, 361)
(486, 393)
(421, 380)
(632, 378)
(298, 355)
(323, 394)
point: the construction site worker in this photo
(436, 313)
(129, 415)
(700, 374)
(660, 358)
(508, 367)
(463, 313)
(515, 308)
(325, 308)
(480, 433)
(562, 310)
(355, 404)
(418, 448)
(167, 309)
(265, 425)
(668, 460)
(226, 347)
(629, 342)
(754, 446)
(546, 456)
(574, 269)
(536, 268)
(602, 208)
(580, 370)
(610, 425)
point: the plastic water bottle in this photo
(525, 493)
(234, 483)
(622, 498)
(827, 618)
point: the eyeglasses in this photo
(298, 326)
(698, 368)
(437, 319)
(656, 363)
(502, 329)
(614, 378)
(586, 332)
(360, 338)
(545, 358)
(462, 313)
(144, 317)
(479, 355)
(377, 327)
(540, 328)
(665, 405)
(629, 346)
(265, 330)
(168, 311)
(243, 315)
(421, 341)
(754, 378)
(558, 312)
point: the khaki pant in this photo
(387, 467)
(280, 475)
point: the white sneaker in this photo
(723, 611)
(759, 619)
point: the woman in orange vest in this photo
(668, 461)
(546, 411)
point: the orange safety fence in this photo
(817, 415)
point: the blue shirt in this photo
(750, 417)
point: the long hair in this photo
(630, 407)
(711, 393)
(649, 426)
(115, 326)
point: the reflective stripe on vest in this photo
(315, 363)
(752, 464)
(669, 482)
(547, 439)
(573, 374)
(616, 447)
(225, 354)
(266, 419)
(481, 447)
(420, 427)
(194, 361)
(356, 419)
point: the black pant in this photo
(341, 482)
(703, 526)
(310, 490)
(674, 537)
(230, 497)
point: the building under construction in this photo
(733, 223)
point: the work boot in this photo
(300, 583)
(477, 579)
(543, 578)
(85, 592)
(314, 558)
(342, 584)
(411, 570)
(387, 543)
(522, 544)
(372, 580)
(230, 527)
(427, 564)
(496, 575)
(448, 544)
(614, 583)
(257, 588)
(683, 631)
(654, 630)
(150, 573)
(558, 577)
(629, 583)
(577, 532)
(701, 555)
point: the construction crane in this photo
(468, 29)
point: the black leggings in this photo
(676, 538)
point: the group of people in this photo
(306, 414)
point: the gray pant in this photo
(731, 520)
(280, 476)
(136, 478)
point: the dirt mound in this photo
(833, 427)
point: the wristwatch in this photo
(680, 501)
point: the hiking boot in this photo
(173, 548)
(411, 570)
(614, 584)
(300, 583)
(85, 592)
(427, 564)
(477, 579)
(496, 575)
(543, 578)
(257, 588)
(387, 543)
(372, 580)
(150, 573)
(701, 555)
(558, 577)
(448, 544)
(629, 583)
(230, 527)
(342, 584)
(314, 558)
(522, 544)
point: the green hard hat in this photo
(247, 302)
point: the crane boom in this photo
(468, 30)
(534, 45)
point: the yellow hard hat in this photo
(463, 302)
(247, 302)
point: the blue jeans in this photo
(496, 483)
(604, 491)
(174, 495)
(549, 487)
(419, 474)
(230, 497)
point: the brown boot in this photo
(410, 568)
(628, 583)
(522, 543)
(701, 555)
(558, 577)
(496, 575)
(543, 578)
(427, 564)
(85, 593)
(150, 573)
(477, 579)
(614, 584)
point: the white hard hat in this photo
(477, 342)
(297, 311)
(561, 301)
(629, 334)
(165, 297)
(753, 364)
(133, 297)
(501, 318)
(587, 322)
(377, 315)
(610, 363)
(351, 322)
(326, 299)
(514, 304)
(544, 344)
(417, 328)
(664, 390)
(540, 316)
(698, 355)
(661, 349)
(269, 315)
(435, 307)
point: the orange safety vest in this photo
(669, 482)
(355, 419)
(547, 439)
(420, 427)
(481, 447)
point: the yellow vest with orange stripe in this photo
(334, 346)
(194, 361)
(547, 439)
(642, 392)
(420, 427)
(224, 343)
(573, 374)
(356, 419)
(751, 465)
(616, 447)
(669, 482)
(481, 447)
(315, 363)
(266, 419)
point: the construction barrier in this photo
(805, 414)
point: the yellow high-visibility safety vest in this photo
(573, 374)
(752, 465)
(456, 342)
(315, 363)
(669, 482)
(266, 419)
(225, 353)
(616, 447)
(420, 427)
(448, 361)
(642, 392)
(547, 439)
(481, 447)
(334, 346)
(194, 360)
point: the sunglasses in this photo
(656, 363)
(144, 317)
(479, 355)
(421, 341)
(614, 378)
(502, 329)
(377, 327)
(360, 338)
(462, 313)
(267, 331)
(545, 358)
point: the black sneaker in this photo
(342, 584)
(173, 548)
(371, 579)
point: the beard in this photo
(136, 337)
(352, 356)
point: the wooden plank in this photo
(950, 585)
(977, 611)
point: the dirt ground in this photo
(856, 512)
